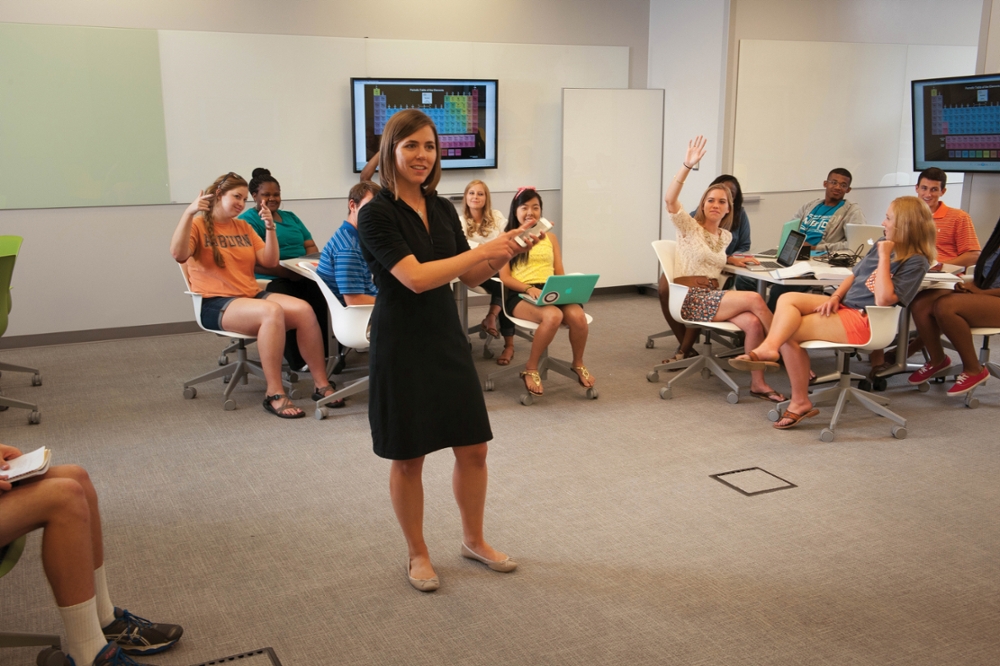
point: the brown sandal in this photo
(770, 396)
(503, 359)
(491, 330)
(284, 404)
(753, 362)
(796, 418)
(535, 377)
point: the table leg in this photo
(462, 303)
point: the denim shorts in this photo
(212, 308)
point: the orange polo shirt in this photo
(955, 233)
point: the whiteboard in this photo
(803, 108)
(612, 156)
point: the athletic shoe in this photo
(966, 382)
(138, 635)
(110, 655)
(928, 370)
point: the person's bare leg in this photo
(508, 351)
(797, 366)
(754, 331)
(549, 319)
(265, 320)
(576, 319)
(300, 316)
(469, 481)
(735, 302)
(958, 314)
(791, 309)
(406, 488)
(922, 310)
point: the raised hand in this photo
(695, 151)
(201, 204)
(265, 214)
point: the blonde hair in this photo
(914, 231)
(400, 126)
(220, 186)
(489, 223)
(727, 220)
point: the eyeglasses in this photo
(838, 184)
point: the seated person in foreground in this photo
(973, 304)
(701, 254)
(889, 274)
(341, 264)
(526, 274)
(294, 241)
(63, 503)
(220, 251)
(823, 220)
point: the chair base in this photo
(6, 403)
(237, 373)
(322, 406)
(705, 363)
(52, 655)
(545, 363)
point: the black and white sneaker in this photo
(137, 635)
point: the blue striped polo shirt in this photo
(343, 268)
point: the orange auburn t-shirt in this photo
(956, 234)
(239, 244)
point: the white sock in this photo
(83, 632)
(105, 609)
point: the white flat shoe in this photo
(504, 566)
(422, 584)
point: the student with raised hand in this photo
(63, 503)
(701, 254)
(526, 274)
(424, 392)
(971, 305)
(482, 223)
(220, 251)
(890, 273)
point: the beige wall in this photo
(98, 268)
(982, 198)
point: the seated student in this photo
(971, 305)
(221, 251)
(823, 220)
(701, 253)
(740, 229)
(890, 273)
(63, 503)
(341, 264)
(481, 224)
(294, 240)
(526, 274)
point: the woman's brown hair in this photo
(488, 224)
(727, 220)
(914, 232)
(222, 184)
(400, 126)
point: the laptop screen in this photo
(790, 250)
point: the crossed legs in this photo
(954, 314)
(747, 310)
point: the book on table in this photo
(28, 465)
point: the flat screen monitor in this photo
(956, 123)
(463, 110)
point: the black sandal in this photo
(285, 404)
(319, 394)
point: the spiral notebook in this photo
(28, 465)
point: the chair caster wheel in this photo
(526, 399)
(924, 388)
(225, 380)
(666, 393)
(51, 657)
(705, 373)
(190, 392)
(939, 380)
(34, 418)
(733, 397)
(291, 377)
(650, 344)
(652, 376)
(826, 435)
(899, 432)
(488, 385)
(880, 384)
(592, 393)
(971, 402)
(36, 380)
(229, 405)
(774, 416)
(487, 352)
(293, 394)
(320, 413)
(482, 334)
(223, 360)
(864, 385)
(338, 367)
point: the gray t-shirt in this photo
(906, 279)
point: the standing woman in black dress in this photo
(424, 393)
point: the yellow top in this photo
(539, 266)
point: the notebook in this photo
(28, 465)
(565, 289)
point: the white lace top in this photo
(698, 251)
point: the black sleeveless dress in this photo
(424, 393)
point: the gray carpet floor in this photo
(252, 531)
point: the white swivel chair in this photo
(526, 329)
(705, 362)
(984, 359)
(884, 322)
(349, 325)
(236, 373)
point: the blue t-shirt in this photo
(342, 266)
(292, 234)
(814, 226)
